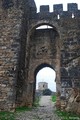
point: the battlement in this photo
(58, 8)
(72, 12)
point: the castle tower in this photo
(42, 85)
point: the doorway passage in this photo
(45, 79)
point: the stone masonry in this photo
(24, 50)
(42, 86)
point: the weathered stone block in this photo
(44, 8)
(58, 9)
(7, 4)
(72, 7)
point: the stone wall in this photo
(70, 64)
(10, 27)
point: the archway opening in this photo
(44, 27)
(41, 29)
(45, 77)
(42, 50)
(41, 26)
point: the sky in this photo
(47, 74)
(51, 2)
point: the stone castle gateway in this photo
(24, 50)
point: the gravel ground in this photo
(44, 112)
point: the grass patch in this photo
(54, 98)
(10, 115)
(22, 109)
(7, 116)
(67, 115)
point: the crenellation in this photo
(72, 7)
(72, 11)
(44, 8)
(58, 8)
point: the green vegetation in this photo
(36, 102)
(22, 109)
(7, 116)
(54, 98)
(10, 115)
(67, 115)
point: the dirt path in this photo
(44, 112)
(46, 101)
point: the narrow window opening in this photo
(73, 15)
(58, 16)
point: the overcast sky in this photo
(51, 2)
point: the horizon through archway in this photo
(47, 75)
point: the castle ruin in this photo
(24, 50)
